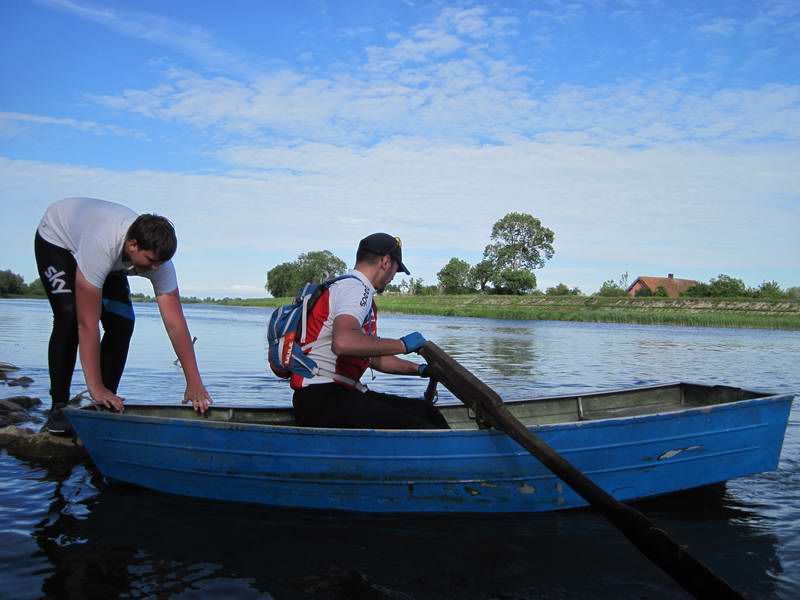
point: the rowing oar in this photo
(653, 542)
(430, 391)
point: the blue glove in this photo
(413, 342)
(423, 371)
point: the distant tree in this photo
(698, 290)
(726, 286)
(286, 279)
(515, 281)
(480, 275)
(644, 292)
(453, 278)
(661, 292)
(770, 289)
(611, 288)
(416, 286)
(520, 241)
(320, 266)
(283, 280)
(428, 290)
(11, 283)
(793, 293)
(36, 288)
(392, 289)
(562, 290)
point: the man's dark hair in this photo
(156, 233)
(368, 257)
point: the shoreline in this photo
(697, 312)
(734, 313)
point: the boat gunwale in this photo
(294, 429)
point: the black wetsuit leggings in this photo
(333, 405)
(57, 269)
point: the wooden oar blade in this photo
(654, 543)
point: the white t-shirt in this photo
(346, 297)
(94, 232)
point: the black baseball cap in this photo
(383, 243)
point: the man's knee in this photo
(65, 320)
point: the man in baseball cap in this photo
(343, 342)
(383, 243)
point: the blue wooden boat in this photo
(634, 443)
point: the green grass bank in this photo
(699, 312)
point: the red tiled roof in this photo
(673, 286)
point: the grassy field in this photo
(701, 312)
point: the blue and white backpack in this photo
(286, 332)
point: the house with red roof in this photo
(674, 287)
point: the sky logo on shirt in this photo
(57, 283)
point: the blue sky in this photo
(653, 137)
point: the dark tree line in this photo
(12, 284)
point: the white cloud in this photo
(719, 26)
(13, 123)
(468, 100)
(684, 208)
(190, 40)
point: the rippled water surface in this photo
(66, 533)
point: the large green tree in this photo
(454, 276)
(283, 279)
(519, 241)
(320, 266)
(288, 278)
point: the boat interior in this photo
(538, 411)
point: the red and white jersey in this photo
(350, 296)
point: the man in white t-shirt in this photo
(85, 251)
(342, 340)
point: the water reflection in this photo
(130, 542)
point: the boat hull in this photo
(434, 471)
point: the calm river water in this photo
(66, 533)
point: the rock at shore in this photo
(27, 444)
(40, 447)
(15, 409)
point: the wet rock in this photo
(24, 402)
(23, 381)
(4, 422)
(4, 366)
(41, 447)
(7, 406)
(18, 416)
